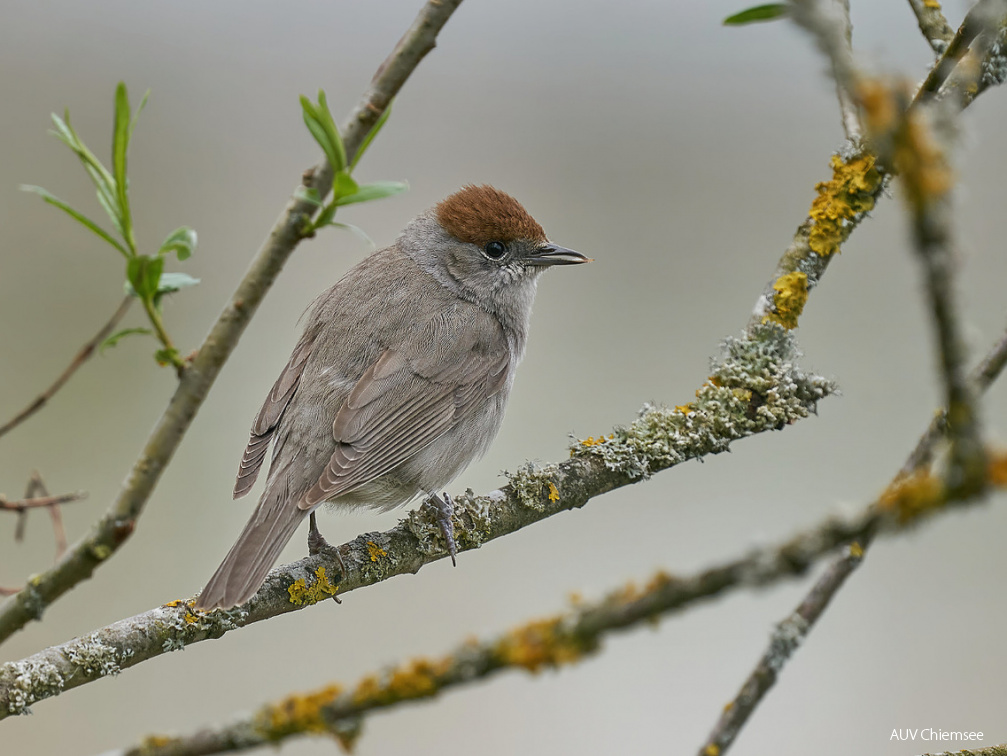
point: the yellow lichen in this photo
(375, 552)
(996, 469)
(913, 495)
(592, 441)
(921, 162)
(302, 594)
(935, 4)
(553, 492)
(685, 409)
(190, 616)
(298, 713)
(848, 194)
(856, 550)
(417, 678)
(712, 750)
(788, 301)
(538, 644)
(155, 742)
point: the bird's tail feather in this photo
(246, 565)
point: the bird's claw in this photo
(444, 508)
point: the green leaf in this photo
(370, 135)
(318, 131)
(181, 241)
(325, 217)
(76, 215)
(172, 282)
(325, 115)
(120, 144)
(343, 185)
(115, 338)
(167, 356)
(136, 115)
(376, 190)
(143, 274)
(356, 231)
(107, 203)
(308, 194)
(769, 12)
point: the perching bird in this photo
(399, 380)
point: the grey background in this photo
(679, 154)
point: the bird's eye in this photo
(495, 250)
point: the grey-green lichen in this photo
(30, 681)
(471, 517)
(95, 657)
(533, 485)
(755, 385)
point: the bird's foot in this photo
(444, 509)
(318, 545)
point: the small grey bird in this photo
(399, 380)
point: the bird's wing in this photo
(269, 417)
(404, 401)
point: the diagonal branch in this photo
(932, 23)
(82, 356)
(756, 387)
(109, 533)
(551, 642)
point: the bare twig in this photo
(21, 505)
(934, 26)
(117, 524)
(81, 357)
(847, 103)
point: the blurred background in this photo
(681, 155)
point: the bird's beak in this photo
(551, 254)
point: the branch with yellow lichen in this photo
(858, 178)
(932, 23)
(755, 386)
(564, 638)
(116, 526)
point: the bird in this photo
(398, 381)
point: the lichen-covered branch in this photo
(108, 534)
(551, 642)
(79, 359)
(934, 26)
(997, 750)
(756, 386)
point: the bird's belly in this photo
(435, 465)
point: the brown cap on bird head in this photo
(481, 214)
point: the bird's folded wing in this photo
(403, 403)
(269, 417)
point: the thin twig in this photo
(81, 357)
(933, 24)
(848, 110)
(109, 533)
(20, 505)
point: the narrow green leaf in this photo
(77, 216)
(325, 116)
(107, 203)
(134, 275)
(768, 12)
(136, 115)
(308, 194)
(376, 190)
(120, 144)
(314, 124)
(343, 185)
(325, 217)
(181, 241)
(370, 135)
(356, 231)
(115, 338)
(152, 275)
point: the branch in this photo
(791, 632)
(82, 356)
(20, 505)
(109, 533)
(932, 23)
(562, 639)
(997, 750)
(755, 387)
